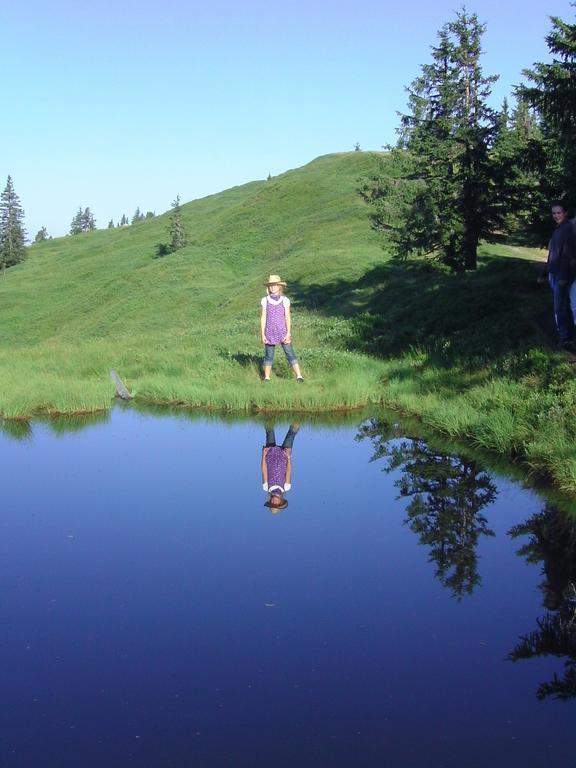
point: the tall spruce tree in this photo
(517, 147)
(552, 94)
(449, 132)
(76, 223)
(176, 229)
(88, 220)
(12, 232)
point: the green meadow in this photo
(464, 353)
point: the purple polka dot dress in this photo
(275, 329)
(277, 466)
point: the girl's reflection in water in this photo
(276, 465)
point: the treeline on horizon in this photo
(84, 221)
(461, 172)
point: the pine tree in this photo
(390, 191)
(516, 150)
(449, 132)
(137, 216)
(554, 91)
(150, 215)
(12, 232)
(76, 223)
(111, 224)
(88, 220)
(83, 221)
(176, 229)
(41, 235)
(553, 96)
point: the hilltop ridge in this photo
(109, 281)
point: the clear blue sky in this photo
(115, 105)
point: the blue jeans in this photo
(288, 440)
(562, 308)
(288, 351)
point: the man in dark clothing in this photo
(561, 268)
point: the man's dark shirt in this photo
(562, 252)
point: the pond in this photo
(406, 607)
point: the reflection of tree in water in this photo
(552, 541)
(447, 495)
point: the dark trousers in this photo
(562, 309)
(288, 440)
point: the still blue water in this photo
(154, 612)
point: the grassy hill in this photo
(174, 327)
(108, 281)
(463, 352)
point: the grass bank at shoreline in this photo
(462, 353)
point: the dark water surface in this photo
(153, 612)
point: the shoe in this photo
(266, 381)
(300, 380)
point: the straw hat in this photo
(274, 508)
(275, 279)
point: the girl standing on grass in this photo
(275, 325)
